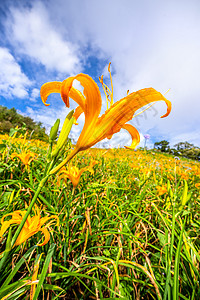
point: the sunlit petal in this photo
(92, 107)
(134, 134)
(25, 158)
(46, 236)
(121, 112)
(5, 226)
(67, 90)
(45, 219)
(49, 88)
(78, 112)
(31, 226)
(74, 173)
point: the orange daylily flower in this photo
(26, 158)
(197, 185)
(31, 227)
(161, 190)
(98, 128)
(74, 173)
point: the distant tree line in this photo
(184, 149)
(9, 119)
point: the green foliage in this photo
(184, 149)
(163, 146)
(117, 236)
(187, 150)
(9, 119)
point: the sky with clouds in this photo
(149, 44)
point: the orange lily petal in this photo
(78, 112)
(67, 90)
(120, 113)
(46, 236)
(45, 219)
(5, 226)
(74, 174)
(92, 105)
(74, 179)
(26, 158)
(15, 215)
(31, 226)
(24, 235)
(134, 134)
(48, 88)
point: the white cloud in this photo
(150, 43)
(119, 139)
(32, 34)
(48, 116)
(35, 93)
(13, 82)
(190, 137)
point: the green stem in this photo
(49, 172)
(6, 253)
(177, 262)
(42, 182)
(69, 157)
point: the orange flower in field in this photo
(26, 158)
(98, 128)
(32, 225)
(74, 173)
(197, 185)
(161, 190)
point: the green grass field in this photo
(129, 229)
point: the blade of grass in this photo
(11, 288)
(44, 271)
(18, 265)
(176, 265)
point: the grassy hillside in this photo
(128, 227)
(9, 118)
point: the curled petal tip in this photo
(127, 147)
(46, 104)
(66, 87)
(109, 66)
(169, 107)
(44, 98)
(47, 89)
(134, 134)
(132, 147)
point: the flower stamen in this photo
(108, 93)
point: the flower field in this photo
(114, 223)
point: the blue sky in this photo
(149, 43)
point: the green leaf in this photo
(161, 238)
(176, 265)
(184, 195)
(2, 147)
(106, 252)
(11, 288)
(52, 287)
(18, 265)
(1, 170)
(9, 239)
(44, 270)
(12, 131)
